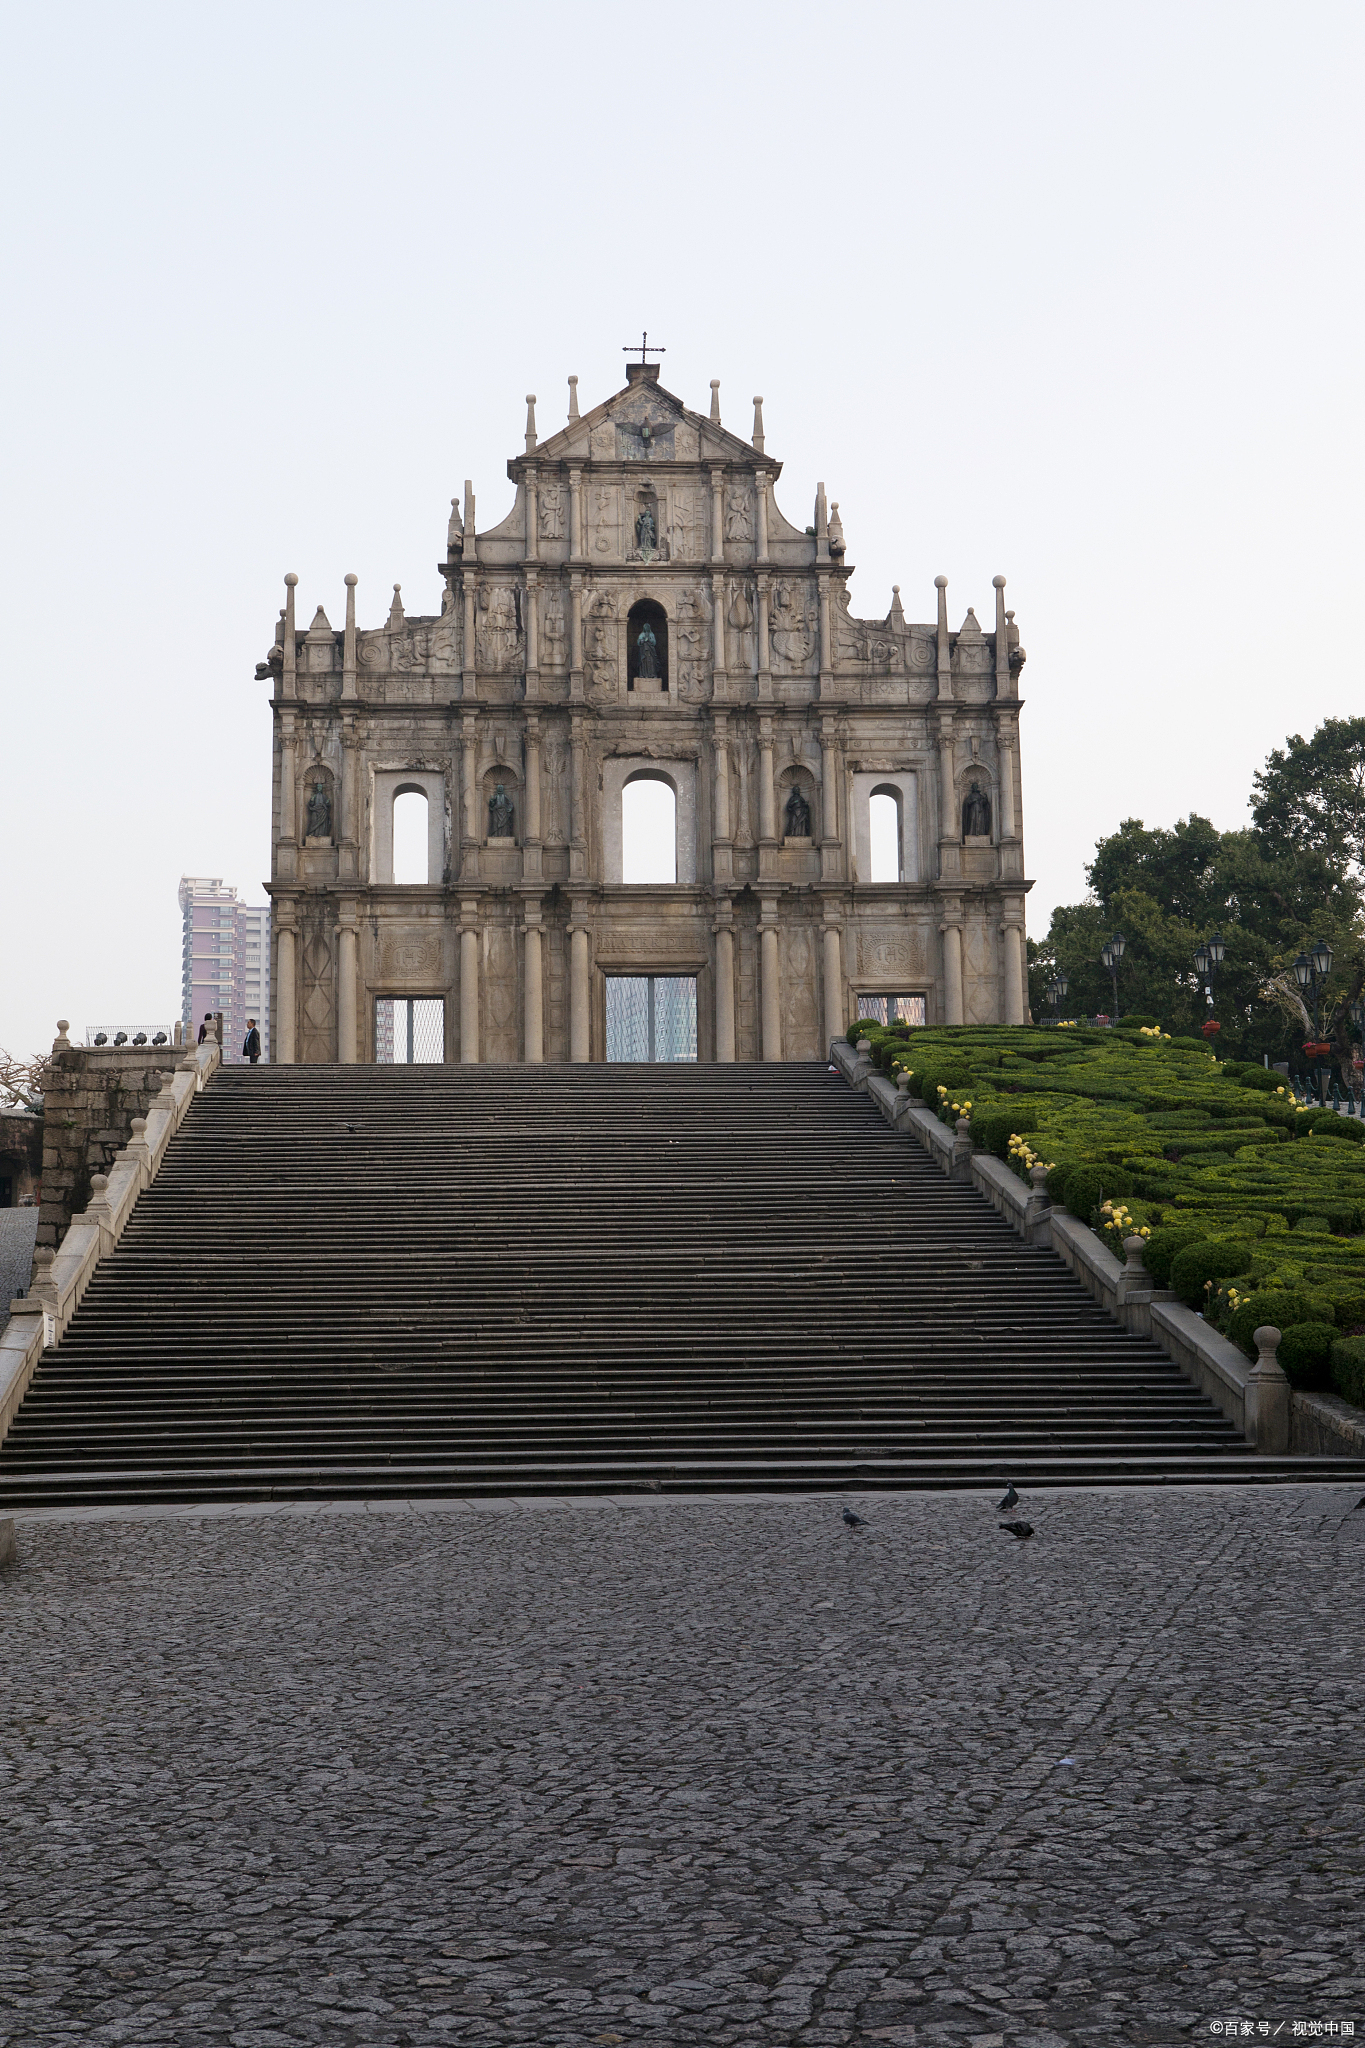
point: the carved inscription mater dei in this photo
(845, 792)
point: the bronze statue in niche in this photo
(320, 812)
(797, 814)
(976, 814)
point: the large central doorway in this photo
(409, 1031)
(651, 1016)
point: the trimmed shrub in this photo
(1283, 1306)
(1214, 1259)
(1306, 1354)
(1325, 1123)
(1163, 1245)
(993, 1128)
(1348, 1369)
(1085, 1187)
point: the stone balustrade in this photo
(1257, 1398)
(39, 1318)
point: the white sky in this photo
(1070, 292)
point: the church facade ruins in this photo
(644, 612)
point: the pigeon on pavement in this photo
(1023, 1530)
(854, 1521)
(1011, 1500)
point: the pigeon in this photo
(1011, 1500)
(1023, 1530)
(350, 1127)
(854, 1521)
(1355, 1510)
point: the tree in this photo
(1310, 796)
(19, 1080)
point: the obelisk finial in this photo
(715, 401)
(758, 424)
(573, 398)
(530, 423)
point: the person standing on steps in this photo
(204, 1027)
(251, 1044)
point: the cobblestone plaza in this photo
(687, 1771)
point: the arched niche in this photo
(799, 779)
(501, 776)
(647, 645)
(976, 806)
(317, 805)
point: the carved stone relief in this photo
(739, 517)
(689, 538)
(605, 537)
(554, 799)
(551, 510)
(739, 618)
(500, 975)
(497, 634)
(801, 1033)
(693, 631)
(554, 639)
(317, 1006)
(600, 653)
(888, 951)
(792, 632)
(409, 955)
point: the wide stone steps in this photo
(521, 1280)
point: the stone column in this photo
(1013, 938)
(770, 981)
(531, 534)
(765, 680)
(826, 663)
(717, 515)
(535, 1004)
(1005, 745)
(288, 782)
(575, 517)
(829, 785)
(719, 670)
(531, 847)
(347, 1046)
(469, 988)
(530, 613)
(767, 786)
(578, 794)
(469, 641)
(949, 846)
(579, 1035)
(286, 991)
(576, 636)
(761, 518)
(725, 985)
(469, 792)
(348, 644)
(289, 677)
(348, 824)
(952, 973)
(834, 985)
(721, 845)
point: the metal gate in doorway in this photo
(651, 1016)
(409, 1031)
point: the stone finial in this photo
(468, 520)
(530, 423)
(836, 530)
(1133, 1249)
(897, 613)
(757, 437)
(1037, 1173)
(42, 1287)
(573, 398)
(396, 610)
(1002, 634)
(287, 685)
(963, 1127)
(61, 1043)
(715, 401)
(348, 641)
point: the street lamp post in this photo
(1208, 958)
(1056, 993)
(1111, 953)
(1311, 971)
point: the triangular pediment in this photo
(645, 413)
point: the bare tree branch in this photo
(19, 1079)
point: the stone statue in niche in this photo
(498, 627)
(976, 814)
(320, 812)
(501, 813)
(797, 814)
(647, 654)
(646, 532)
(551, 512)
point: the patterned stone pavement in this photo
(665, 1772)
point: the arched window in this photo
(647, 644)
(649, 830)
(410, 836)
(884, 820)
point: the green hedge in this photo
(1198, 1264)
(1306, 1354)
(1348, 1369)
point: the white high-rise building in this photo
(225, 961)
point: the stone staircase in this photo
(401, 1281)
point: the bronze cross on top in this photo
(644, 345)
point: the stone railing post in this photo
(961, 1168)
(98, 1211)
(1134, 1279)
(1038, 1214)
(42, 1287)
(903, 1104)
(1267, 1396)
(139, 1151)
(862, 1065)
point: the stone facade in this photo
(643, 610)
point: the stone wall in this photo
(91, 1093)
(21, 1156)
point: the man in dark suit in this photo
(251, 1044)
